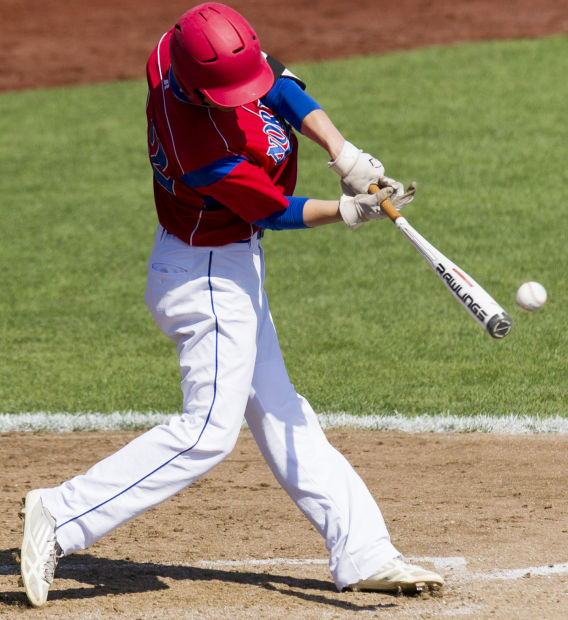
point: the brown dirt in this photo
(54, 42)
(482, 502)
(497, 502)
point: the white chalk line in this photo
(252, 562)
(452, 568)
(520, 573)
(426, 423)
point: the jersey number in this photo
(159, 160)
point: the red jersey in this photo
(215, 171)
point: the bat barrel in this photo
(464, 288)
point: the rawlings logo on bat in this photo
(464, 296)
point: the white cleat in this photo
(40, 550)
(400, 577)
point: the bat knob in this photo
(499, 325)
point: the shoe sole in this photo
(398, 588)
(28, 574)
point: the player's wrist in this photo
(335, 145)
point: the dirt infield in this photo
(54, 42)
(488, 512)
(235, 546)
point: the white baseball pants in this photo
(211, 302)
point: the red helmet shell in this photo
(214, 50)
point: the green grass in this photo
(364, 324)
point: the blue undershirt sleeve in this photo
(287, 219)
(288, 99)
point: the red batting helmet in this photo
(215, 53)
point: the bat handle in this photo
(386, 206)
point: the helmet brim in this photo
(240, 94)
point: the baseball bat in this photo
(473, 297)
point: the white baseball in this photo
(531, 296)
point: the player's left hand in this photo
(356, 169)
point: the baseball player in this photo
(223, 119)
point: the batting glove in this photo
(356, 210)
(356, 169)
(399, 197)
